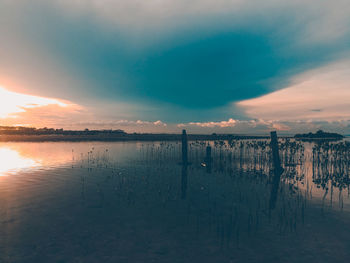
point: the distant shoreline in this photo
(124, 137)
(319, 136)
(330, 139)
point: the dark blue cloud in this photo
(196, 68)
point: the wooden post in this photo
(184, 165)
(208, 158)
(184, 148)
(278, 170)
(208, 154)
(184, 181)
(275, 153)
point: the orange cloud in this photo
(322, 94)
(23, 109)
(13, 103)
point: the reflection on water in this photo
(12, 161)
(137, 202)
(28, 156)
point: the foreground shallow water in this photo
(135, 202)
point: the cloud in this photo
(13, 103)
(70, 116)
(220, 124)
(321, 94)
(50, 115)
(280, 127)
(332, 17)
(159, 123)
(190, 62)
(126, 125)
(254, 126)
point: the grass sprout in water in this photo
(231, 201)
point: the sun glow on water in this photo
(12, 102)
(11, 160)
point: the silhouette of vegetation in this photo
(10, 133)
(319, 135)
(10, 130)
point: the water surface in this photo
(136, 202)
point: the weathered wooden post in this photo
(184, 181)
(208, 154)
(278, 170)
(208, 158)
(184, 164)
(275, 153)
(184, 148)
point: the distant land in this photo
(29, 134)
(319, 135)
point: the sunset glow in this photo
(319, 95)
(12, 103)
(144, 66)
(15, 157)
(174, 131)
(13, 161)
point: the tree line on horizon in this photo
(20, 130)
(320, 134)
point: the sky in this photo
(225, 66)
